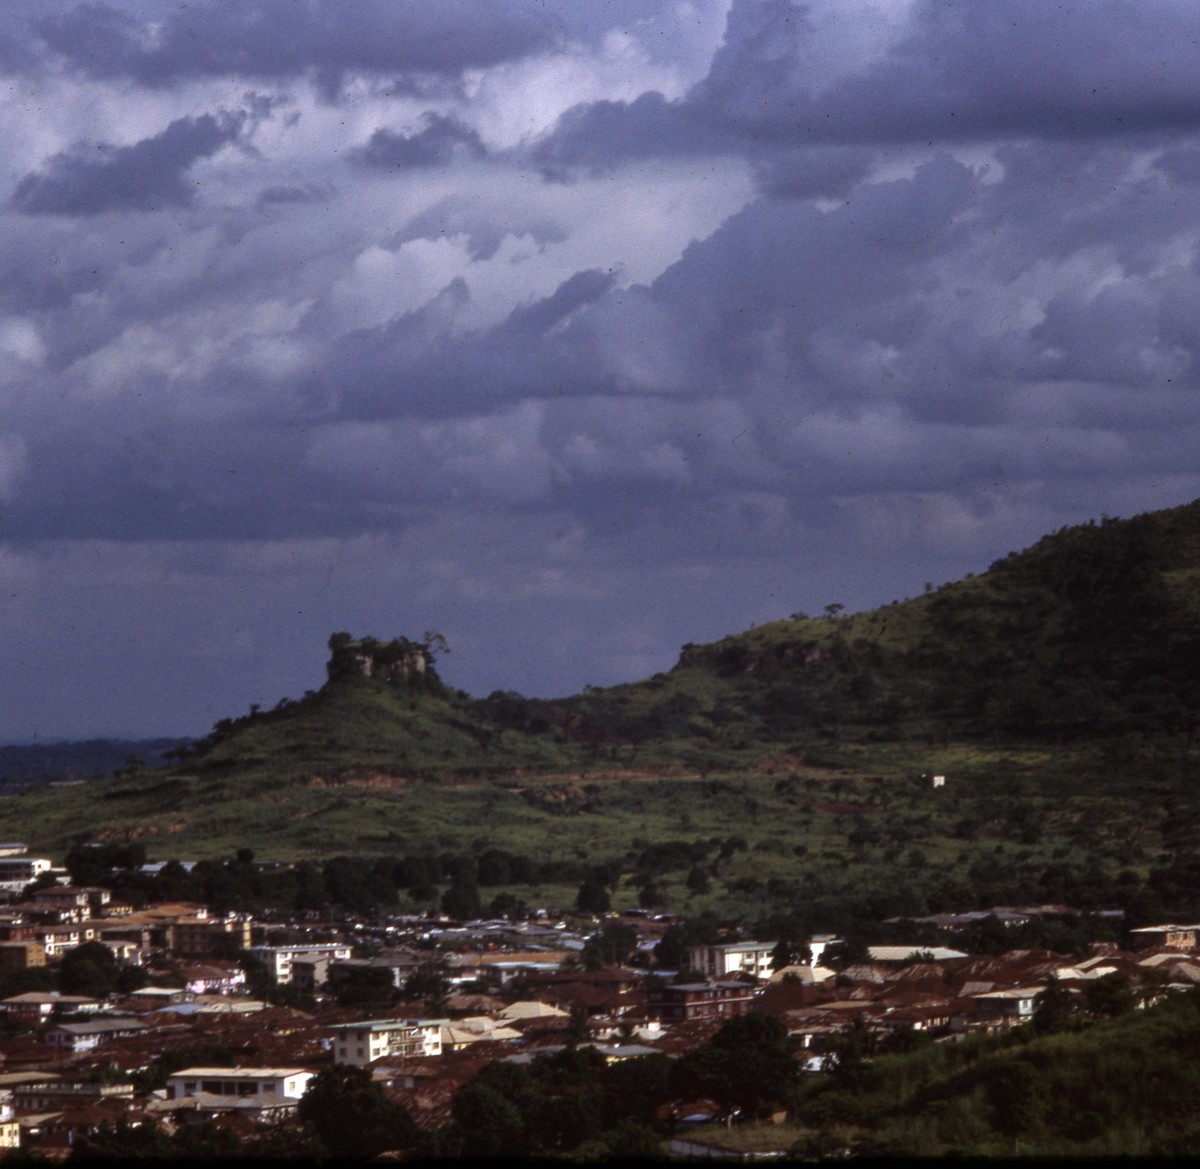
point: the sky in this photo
(574, 330)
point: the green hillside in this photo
(1092, 632)
(1041, 686)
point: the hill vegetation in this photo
(785, 765)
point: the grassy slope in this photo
(1121, 1087)
(806, 738)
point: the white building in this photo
(720, 961)
(290, 1082)
(279, 959)
(18, 871)
(361, 1044)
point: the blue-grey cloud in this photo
(440, 138)
(956, 72)
(146, 176)
(284, 38)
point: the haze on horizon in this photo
(574, 330)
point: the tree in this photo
(697, 880)
(593, 896)
(90, 969)
(428, 982)
(370, 989)
(747, 1064)
(611, 946)
(1053, 1008)
(490, 1124)
(1110, 995)
(352, 1116)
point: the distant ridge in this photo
(25, 764)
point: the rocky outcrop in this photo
(397, 662)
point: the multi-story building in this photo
(22, 954)
(678, 1001)
(211, 937)
(278, 959)
(363, 1043)
(17, 871)
(720, 961)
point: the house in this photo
(361, 1044)
(719, 961)
(58, 939)
(248, 1081)
(156, 998)
(209, 978)
(913, 953)
(476, 1029)
(75, 901)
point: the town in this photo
(173, 1027)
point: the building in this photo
(720, 961)
(399, 964)
(361, 1044)
(36, 1006)
(51, 1095)
(17, 871)
(251, 1081)
(677, 1001)
(278, 959)
(76, 1037)
(22, 955)
(1174, 937)
(1014, 1005)
(211, 937)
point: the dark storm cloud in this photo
(281, 38)
(416, 364)
(959, 71)
(435, 144)
(819, 172)
(146, 176)
(602, 134)
(963, 69)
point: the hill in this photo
(787, 763)
(1092, 632)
